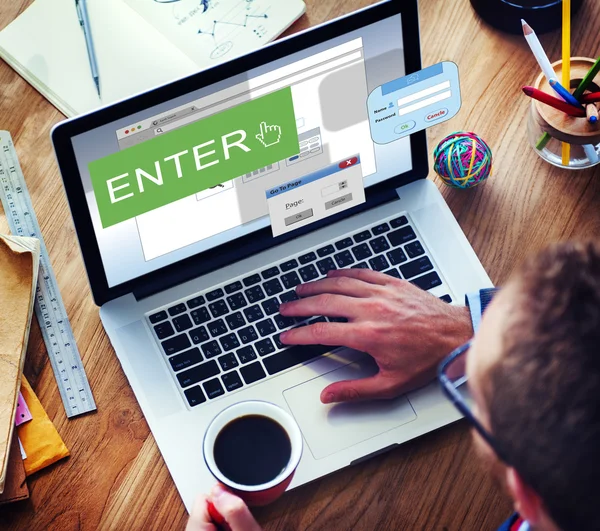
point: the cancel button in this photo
(437, 115)
(337, 202)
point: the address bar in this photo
(261, 91)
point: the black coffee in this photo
(252, 450)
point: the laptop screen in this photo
(282, 146)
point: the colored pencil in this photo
(591, 113)
(546, 98)
(592, 97)
(591, 154)
(564, 93)
(538, 51)
(589, 77)
(566, 67)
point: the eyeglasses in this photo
(453, 378)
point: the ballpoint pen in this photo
(84, 21)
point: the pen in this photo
(554, 102)
(84, 21)
(564, 93)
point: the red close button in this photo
(349, 162)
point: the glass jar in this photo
(548, 128)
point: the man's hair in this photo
(544, 395)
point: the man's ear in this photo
(527, 502)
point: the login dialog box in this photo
(412, 103)
(316, 196)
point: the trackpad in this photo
(330, 428)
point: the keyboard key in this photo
(248, 334)
(216, 328)
(362, 236)
(246, 354)
(360, 265)
(362, 251)
(251, 280)
(289, 265)
(398, 222)
(344, 244)
(446, 298)
(232, 381)
(253, 372)
(235, 320)
(327, 264)
(198, 374)
(344, 259)
(308, 273)
(236, 301)
(283, 322)
(414, 249)
(199, 335)
(232, 288)
(270, 273)
(416, 267)
(379, 245)
(264, 347)
(176, 344)
(379, 263)
(290, 280)
(185, 359)
(182, 323)
(397, 256)
(324, 251)
(277, 340)
(428, 281)
(195, 396)
(213, 388)
(337, 320)
(228, 361)
(317, 320)
(163, 330)
(254, 313)
(214, 295)
(271, 306)
(272, 287)
(289, 296)
(393, 273)
(158, 317)
(176, 310)
(400, 236)
(294, 356)
(211, 349)
(380, 229)
(255, 294)
(266, 327)
(200, 316)
(306, 258)
(229, 342)
(218, 308)
(195, 302)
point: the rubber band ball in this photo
(463, 160)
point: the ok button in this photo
(406, 126)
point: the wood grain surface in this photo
(116, 478)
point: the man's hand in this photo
(233, 509)
(407, 331)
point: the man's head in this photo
(534, 372)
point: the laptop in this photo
(190, 285)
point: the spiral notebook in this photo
(139, 44)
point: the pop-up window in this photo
(316, 196)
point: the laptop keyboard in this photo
(226, 338)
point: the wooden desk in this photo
(116, 478)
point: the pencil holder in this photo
(548, 128)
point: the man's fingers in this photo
(366, 275)
(330, 334)
(327, 304)
(199, 518)
(340, 285)
(375, 387)
(234, 510)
